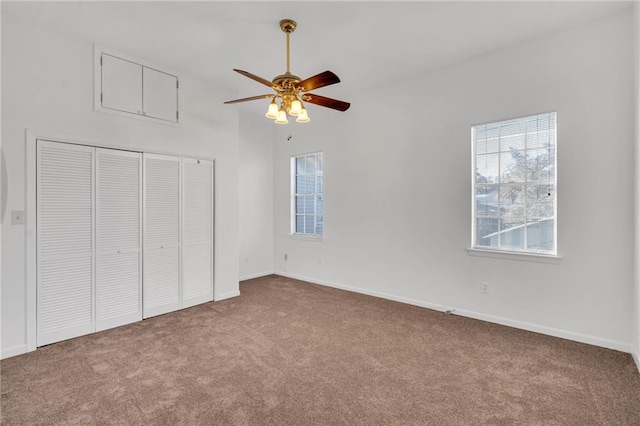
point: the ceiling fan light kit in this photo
(291, 90)
(272, 111)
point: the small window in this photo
(307, 195)
(514, 185)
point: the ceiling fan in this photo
(291, 90)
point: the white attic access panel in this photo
(159, 94)
(121, 88)
(129, 87)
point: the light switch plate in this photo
(17, 217)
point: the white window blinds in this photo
(308, 199)
(514, 176)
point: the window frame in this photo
(293, 212)
(510, 252)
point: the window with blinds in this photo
(307, 195)
(514, 180)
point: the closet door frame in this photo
(31, 138)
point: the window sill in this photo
(511, 255)
(306, 238)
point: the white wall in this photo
(398, 193)
(47, 87)
(256, 194)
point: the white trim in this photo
(35, 134)
(512, 255)
(414, 302)
(550, 331)
(31, 264)
(636, 269)
(565, 334)
(224, 296)
(636, 357)
(216, 232)
(258, 275)
(14, 351)
(306, 237)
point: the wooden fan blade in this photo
(323, 79)
(252, 98)
(326, 102)
(255, 77)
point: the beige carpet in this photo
(292, 353)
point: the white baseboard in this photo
(16, 350)
(550, 331)
(258, 275)
(636, 357)
(387, 296)
(225, 296)
(569, 335)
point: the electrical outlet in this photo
(319, 262)
(286, 256)
(484, 287)
(246, 259)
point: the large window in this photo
(307, 199)
(514, 179)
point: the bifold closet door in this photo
(118, 238)
(161, 277)
(197, 231)
(65, 241)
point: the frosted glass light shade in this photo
(302, 116)
(282, 117)
(272, 112)
(296, 107)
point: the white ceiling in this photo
(365, 43)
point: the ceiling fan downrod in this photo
(288, 26)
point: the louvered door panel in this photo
(65, 235)
(118, 238)
(197, 231)
(161, 279)
(197, 276)
(118, 292)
